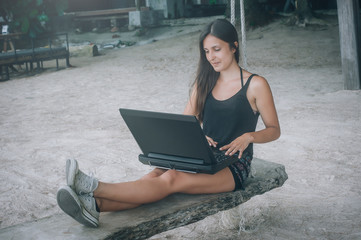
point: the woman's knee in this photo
(170, 178)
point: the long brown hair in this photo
(206, 76)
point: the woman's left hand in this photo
(239, 144)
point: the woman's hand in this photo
(239, 144)
(211, 142)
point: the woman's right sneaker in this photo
(81, 208)
(79, 181)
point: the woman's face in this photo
(218, 53)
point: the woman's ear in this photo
(235, 47)
(236, 44)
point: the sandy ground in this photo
(73, 113)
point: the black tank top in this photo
(228, 119)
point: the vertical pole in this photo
(233, 10)
(349, 28)
(243, 31)
(137, 5)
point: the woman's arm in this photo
(190, 107)
(260, 96)
(262, 99)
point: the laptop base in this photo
(185, 167)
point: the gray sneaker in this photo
(79, 181)
(81, 208)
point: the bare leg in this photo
(156, 172)
(159, 184)
(135, 192)
(106, 205)
(113, 206)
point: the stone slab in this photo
(143, 222)
(143, 18)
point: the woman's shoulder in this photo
(258, 84)
(256, 81)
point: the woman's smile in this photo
(215, 64)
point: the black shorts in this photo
(240, 170)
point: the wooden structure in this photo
(145, 221)
(350, 42)
(35, 54)
(102, 14)
(107, 14)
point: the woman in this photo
(227, 100)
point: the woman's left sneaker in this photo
(81, 208)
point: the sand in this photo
(73, 113)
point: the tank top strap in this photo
(248, 81)
(241, 76)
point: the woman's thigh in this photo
(199, 183)
(156, 172)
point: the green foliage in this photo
(212, 2)
(30, 16)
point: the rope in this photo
(243, 31)
(233, 10)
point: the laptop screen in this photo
(168, 134)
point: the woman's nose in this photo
(211, 55)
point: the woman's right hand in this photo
(211, 142)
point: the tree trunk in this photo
(303, 12)
(137, 5)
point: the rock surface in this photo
(145, 221)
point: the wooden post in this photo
(137, 5)
(349, 28)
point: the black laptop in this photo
(174, 141)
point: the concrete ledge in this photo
(143, 222)
(143, 18)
